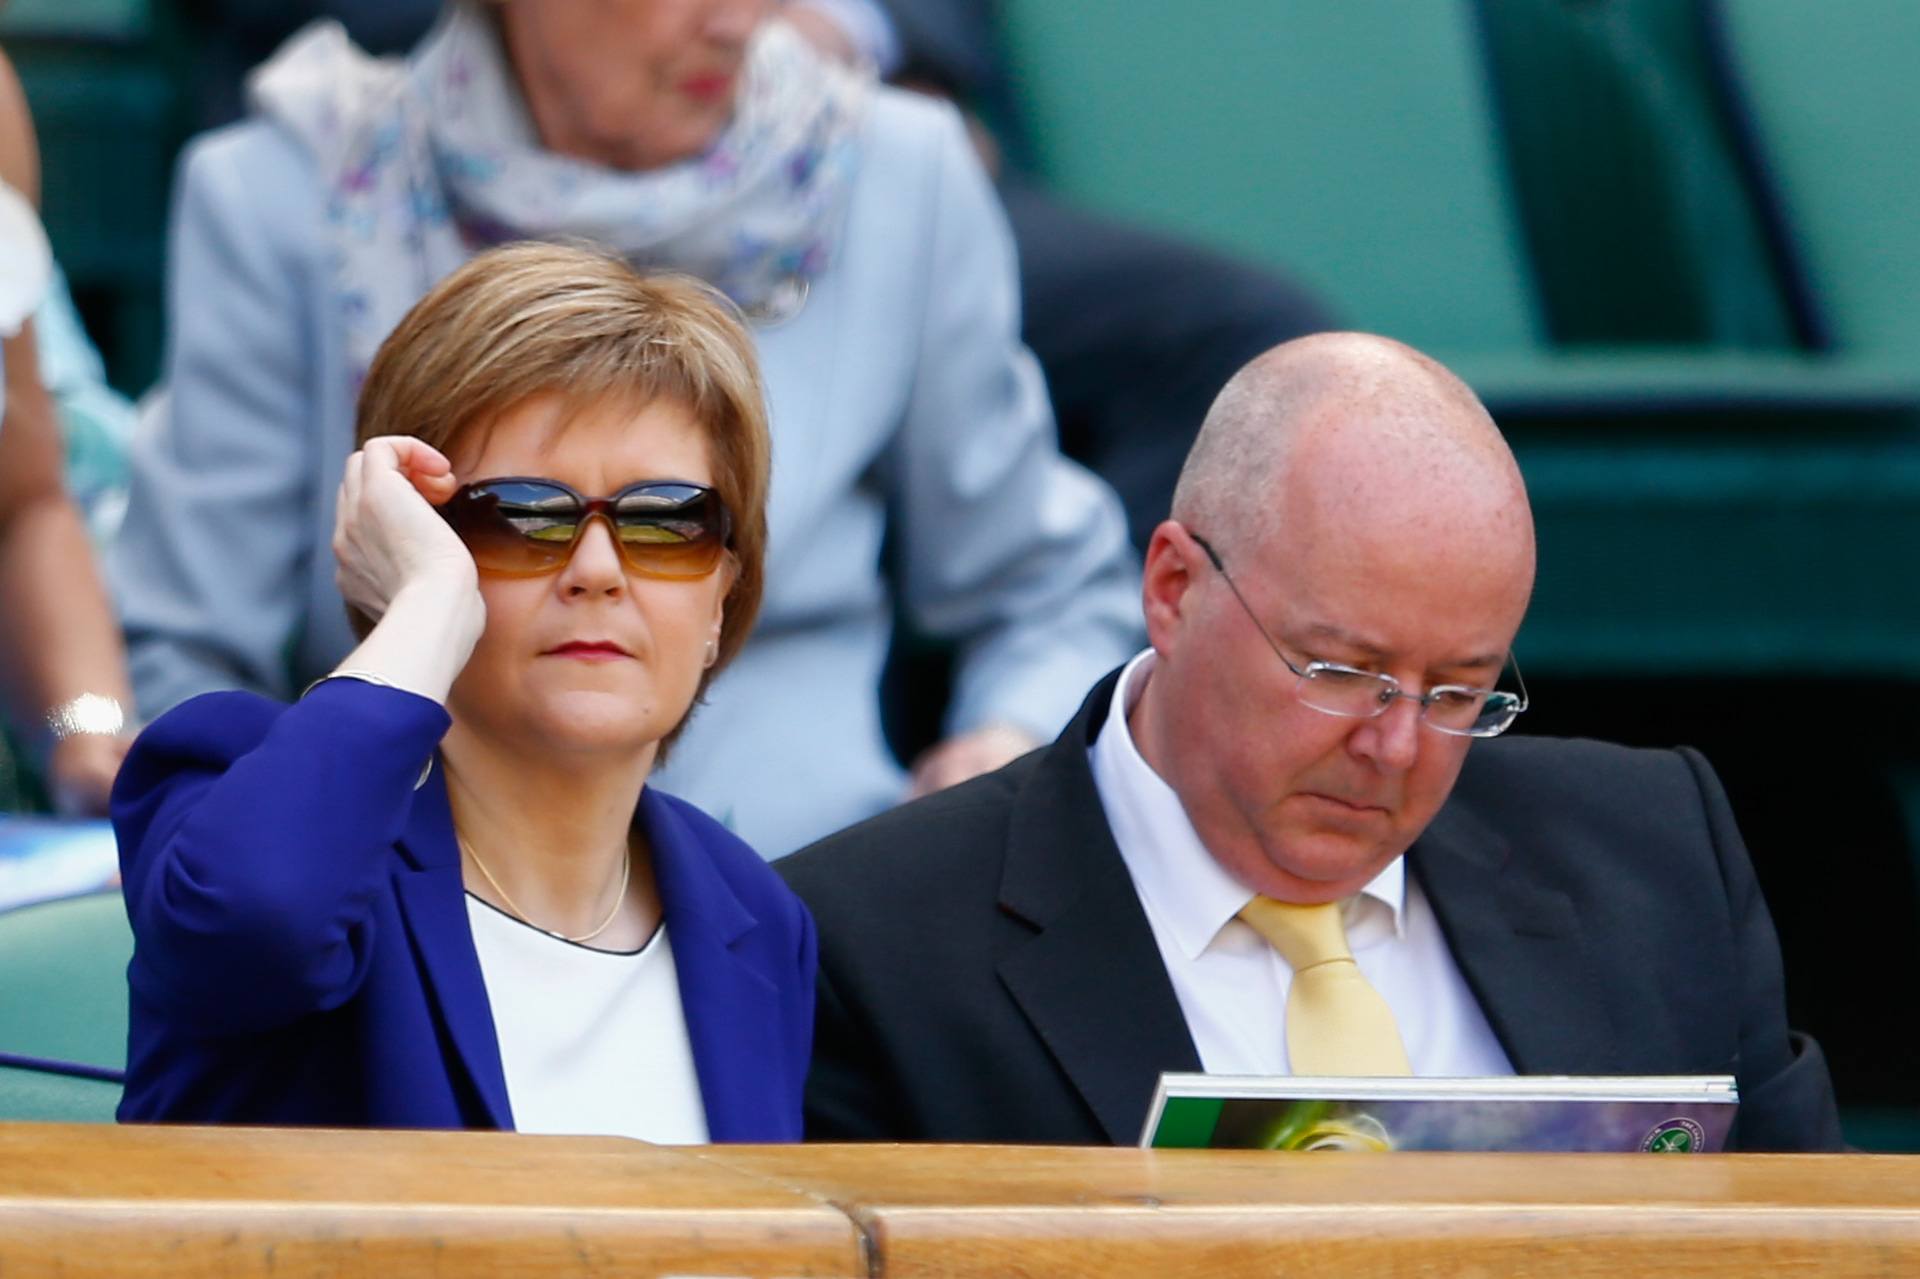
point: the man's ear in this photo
(1172, 561)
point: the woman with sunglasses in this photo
(437, 891)
(919, 475)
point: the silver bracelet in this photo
(365, 677)
(90, 713)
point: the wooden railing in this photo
(157, 1202)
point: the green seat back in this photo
(1640, 217)
(1833, 90)
(43, 1096)
(1347, 142)
(63, 980)
(101, 20)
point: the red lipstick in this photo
(588, 650)
(714, 86)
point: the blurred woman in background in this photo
(851, 222)
(329, 929)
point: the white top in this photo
(1232, 985)
(592, 1042)
(26, 261)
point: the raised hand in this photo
(402, 565)
(386, 534)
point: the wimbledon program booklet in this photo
(1664, 1113)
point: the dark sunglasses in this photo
(522, 527)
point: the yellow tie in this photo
(1337, 1023)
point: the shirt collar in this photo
(1189, 891)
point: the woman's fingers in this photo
(387, 533)
(424, 459)
(435, 488)
(430, 471)
(350, 483)
(405, 453)
(424, 467)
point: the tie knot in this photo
(1305, 936)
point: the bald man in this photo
(1306, 745)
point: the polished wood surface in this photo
(163, 1202)
(150, 1202)
(954, 1212)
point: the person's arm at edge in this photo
(60, 639)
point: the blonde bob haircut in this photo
(534, 319)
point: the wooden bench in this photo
(92, 1200)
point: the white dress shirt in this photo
(1232, 985)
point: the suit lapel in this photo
(732, 1009)
(1521, 948)
(433, 902)
(1090, 980)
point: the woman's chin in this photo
(586, 722)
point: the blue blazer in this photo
(302, 952)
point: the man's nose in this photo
(1392, 738)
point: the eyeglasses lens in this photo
(670, 530)
(1358, 694)
(1338, 692)
(526, 527)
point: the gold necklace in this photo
(626, 875)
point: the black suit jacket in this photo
(987, 972)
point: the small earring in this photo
(713, 652)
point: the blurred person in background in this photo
(1134, 330)
(439, 889)
(62, 669)
(231, 37)
(851, 222)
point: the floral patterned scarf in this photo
(425, 162)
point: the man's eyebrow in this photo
(1341, 637)
(1491, 661)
